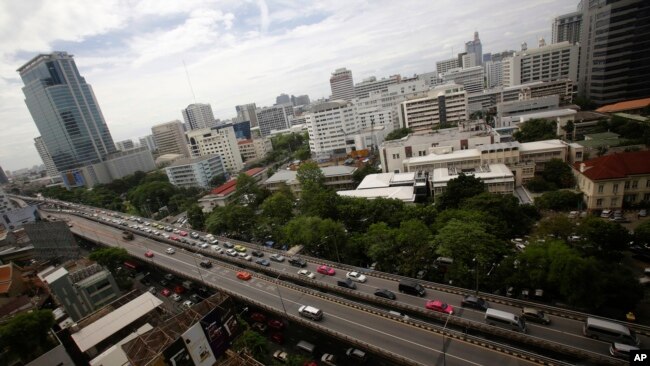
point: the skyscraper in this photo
(615, 52)
(342, 84)
(46, 157)
(3, 177)
(274, 118)
(198, 116)
(475, 48)
(567, 28)
(149, 142)
(247, 112)
(65, 111)
(282, 99)
(170, 138)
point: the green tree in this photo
(359, 174)
(398, 134)
(559, 200)
(323, 238)
(110, 258)
(232, 219)
(382, 246)
(310, 174)
(557, 226)
(196, 217)
(278, 208)
(151, 195)
(254, 343)
(416, 247)
(569, 128)
(558, 173)
(27, 335)
(303, 153)
(217, 180)
(642, 233)
(458, 189)
(505, 209)
(535, 130)
(608, 239)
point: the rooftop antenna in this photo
(189, 82)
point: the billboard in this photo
(73, 178)
(16, 218)
(198, 347)
(216, 334)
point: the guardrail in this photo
(571, 352)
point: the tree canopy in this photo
(398, 134)
(26, 334)
(458, 189)
(536, 130)
(110, 257)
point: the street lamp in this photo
(475, 260)
(444, 352)
(280, 294)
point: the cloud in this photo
(265, 21)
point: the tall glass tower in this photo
(65, 111)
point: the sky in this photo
(237, 51)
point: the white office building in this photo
(198, 116)
(493, 74)
(371, 84)
(277, 117)
(470, 78)
(46, 157)
(170, 138)
(217, 141)
(195, 172)
(124, 145)
(489, 98)
(442, 106)
(342, 85)
(331, 126)
(247, 112)
(148, 142)
(254, 149)
(446, 65)
(550, 62)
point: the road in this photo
(419, 345)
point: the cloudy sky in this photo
(237, 51)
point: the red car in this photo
(244, 275)
(179, 289)
(258, 317)
(148, 254)
(165, 292)
(439, 306)
(326, 270)
(277, 338)
(173, 237)
(275, 324)
(183, 233)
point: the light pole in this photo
(280, 294)
(475, 260)
(444, 352)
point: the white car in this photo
(247, 257)
(204, 245)
(188, 303)
(231, 252)
(217, 249)
(176, 297)
(280, 356)
(306, 273)
(277, 258)
(356, 276)
(170, 251)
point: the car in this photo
(168, 229)
(165, 292)
(297, 262)
(277, 257)
(356, 277)
(275, 324)
(260, 327)
(257, 253)
(164, 282)
(622, 351)
(328, 359)
(183, 233)
(258, 317)
(152, 290)
(169, 277)
(277, 338)
(194, 235)
(148, 254)
(204, 245)
(263, 262)
(326, 270)
(606, 213)
(280, 356)
(205, 263)
(535, 315)
(245, 257)
(347, 283)
(217, 249)
(620, 219)
(174, 238)
(214, 241)
(170, 251)
(306, 273)
(439, 306)
(176, 297)
(471, 301)
(176, 231)
(231, 252)
(356, 354)
(243, 275)
(386, 294)
(643, 213)
(228, 245)
(179, 289)
(240, 248)
(187, 303)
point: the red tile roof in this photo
(230, 186)
(242, 142)
(5, 278)
(625, 106)
(616, 165)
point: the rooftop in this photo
(291, 176)
(88, 337)
(188, 161)
(231, 185)
(431, 158)
(492, 172)
(625, 106)
(541, 145)
(615, 166)
(401, 193)
(6, 274)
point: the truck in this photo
(127, 235)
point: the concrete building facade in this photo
(342, 85)
(124, 145)
(371, 84)
(475, 49)
(46, 157)
(566, 28)
(198, 116)
(247, 112)
(448, 64)
(471, 78)
(548, 63)
(148, 142)
(331, 126)
(170, 138)
(195, 172)
(444, 105)
(217, 141)
(274, 118)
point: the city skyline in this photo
(134, 58)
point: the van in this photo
(356, 354)
(310, 312)
(443, 263)
(609, 331)
(347, 283)
(505, 319)
(411, 288)
(306, 347)
(621, 350)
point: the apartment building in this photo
(342, 85)
(274, 118)
(489, 98)
(217, 141)
(471, 78)
(547, 63)
(195, 172)
(253, 149)
(444, 105)
(170, 138)
(371, 84)
(331, 126)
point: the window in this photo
(615, 188)
(395, 156)
(599, 202)
(627, 184)
(601, 187)
(614, 202)
(635, 184)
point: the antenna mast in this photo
(189, 82)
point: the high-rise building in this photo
(444, 105)
(342, 85)
(125, 145)
(170, 138)
(283, 99)
(331, 126)
(446, 65)
(300, 100)
(195, 172)
(3, 177)
(46, 157)
(247, 112)
(371, 84)
(217, 141)
(615, 52)
(475, 48)
(65, 111)
(567, 28)
(493, 74)
(149, 142)
(470, 78)
(551, 62)
(197, 116)
(272, 118)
